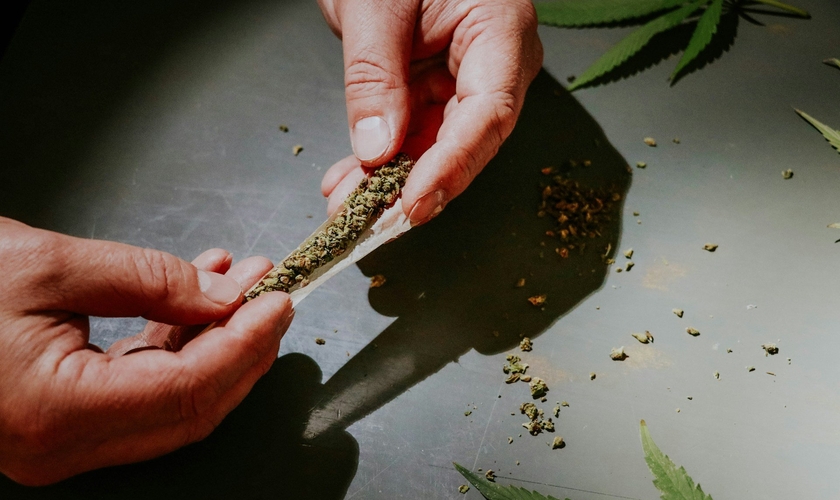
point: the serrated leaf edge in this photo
(657, 462)
(830, 134)
(609, 11)
(706, 29)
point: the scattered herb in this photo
(650, 141)
(771, 373)
(750, 368)
(564, 403)
(678, 312)
(513, 377)
(833, 62)
(835, 225)
(361, 208)
(678, 410)
(716, 375)
(673, 483)
(641, 164)
(297, 149)
(537, 300)
(729, 350)
(520, 283)
(629, 266)
(463, 489)
(283, 128)
(710, 247)
(667, 14)
(676, 140)
(538, 387)
(618, 354)
(690, 398)
(580, 213)
(644, 338)
(490, 475)
(556, 411)
(320, 341)
(525, 344)
(525, 378)
(514, 365)
(510, 440)
(467, 413)
(592, 376)
(628, 253)
(635, 214)
(692, 331)
(557, 443)
(770, 349)
(787, 174)
(377, 281)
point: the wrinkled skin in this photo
(447, 79)
(66, 408)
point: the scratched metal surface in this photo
(157, 125)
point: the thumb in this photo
(102, 278)
(377, 38)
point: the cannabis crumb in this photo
(618, 354)
(283, 128)
(619, 269)
(770, 349)
(565, 403)
(538, 387)
(692, 331)
(641, 164)
(510, 440)
(678, 410)
(678, 312)
(690, 398)
(716, 375)
(676, 140)
(320, 341)
(525, 378)
(463, 489)
(525, 344)
(728, 351)
(628, 253)
(490, 475)
(629, 266)
(537, 300)
(787, 174)
(467, 413)
(520, 283)
(644, 338)
(557, 443)
(771, 373)
(636, 214)
(514, 365)
(710, 247)
(297, 149)
(650, 141)
(377, 280)
(592, 376)
(556, 411)
(750, 368)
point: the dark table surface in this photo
(156, 124)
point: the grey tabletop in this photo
(156, 124)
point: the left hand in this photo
(442, 80)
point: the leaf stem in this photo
(785, 7)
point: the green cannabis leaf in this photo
(667, 14)
(634, 43)
(831, 135)
(493, 491)
(575, 13)
(673, 483)
(706, 29)
(833, 62)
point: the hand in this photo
(65, 407)
(442, 80)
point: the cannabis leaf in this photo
(574, 13)
(831, 135)
(673, 483)
(634, 43)
(706, 29)
(668, 15)
(833, 62)
(492, 491)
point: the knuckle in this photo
(368, 74)
(198, 396)
(158, 274)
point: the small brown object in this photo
(629, 266)
(377, 280)
(787, 174)
(520, 283)
(710, 247)
(283, 128)
(537, 300)
(546, 171)
(592, 376)
(320, 341)
(525, 344)
(490, 475)
(557, 443)
(463, 489)
(692, 331)
(525, 378)
(650, 141)
(297, 149)
(618, 354)
(628, 253)
(770, 349)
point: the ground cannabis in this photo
(710, 247)
(525, 344)
(618, 354)
(361, 208)
(750, 368)
(628, 253)
(644, 338)
(641, 164)
(377, 280)
(557, 443)
(716, 375)
(520, 283)
(678, 312)
(771, 373)
(770, 349)
(525, 378)
(537, 300)
(592, 376)
(787, 174)
(463, 489)
(629, 266)
(650, 141)
(320, 341)
(283, 128)
(564, 403)
(514, 365)
(692, 331)
(579, 212)
(490, 475)
(538, 387)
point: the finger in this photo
(246, 273)
(343, 189)
(101, 278)
(489, 94)
(215, 260)
(337, 172)
(377, 39)
(146, 405)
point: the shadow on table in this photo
(451, 284)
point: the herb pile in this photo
(373, 195)
(658, 16)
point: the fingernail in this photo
(427, 207)
(219, 288)
(370, 137)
